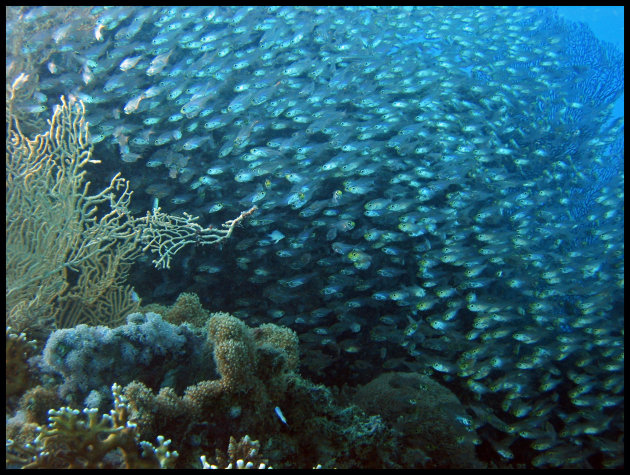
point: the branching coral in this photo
(258, 392)
(83, 439)
(244, 453)
(54, 224)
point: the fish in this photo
(447, 182)
(129, 63)
(276, 236)
(133, 104)
(158, 63)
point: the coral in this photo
(18, 350)
(53, 224)
(243, 355)
(147, 349)
(83, 439)
(165, 235)
(176, 416)
(36, 402)
(282, 339)
(245, 453)
(233, 351)
(186, 309)
(260, 393)
(430, 417)
(20, 446)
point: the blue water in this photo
(607, 22)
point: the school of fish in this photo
(439, 190)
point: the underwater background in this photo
(432, 275)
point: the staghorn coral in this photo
(244, 453)
(82, 439)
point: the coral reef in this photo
(430, 418)
(83, 439)
(242, 454)
(226, 385)
(258, 391)
(260, 394)
(146, 349)
(18, 349)
(54, 224)
(255, 366)
(441, 192)
(186, 309)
